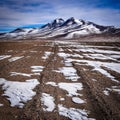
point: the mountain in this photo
(59, 28)
(56, 23)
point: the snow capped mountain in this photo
(69, 29)
(72, 21)
(56, 23)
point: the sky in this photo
(34, 13)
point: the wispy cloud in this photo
(16, 13)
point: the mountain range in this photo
(68, 29)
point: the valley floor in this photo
(59, 80)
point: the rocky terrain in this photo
(60, 80)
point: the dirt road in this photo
(77, 81)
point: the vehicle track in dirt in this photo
(33, 110)
(100, 106)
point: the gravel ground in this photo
(77, 81)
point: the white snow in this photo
(92, 29)
(15, 58)
(71, 88)
(94, 80)
(61, 50)
(63, 55)
(18, 93)
(76, 55)
(22, 74)
(48, 101)
(113, 89)
(62, 99)
(115, 56)
(106, 92)
(116, 89)
(36, 74)
(57, 71)
(68, 64)
(112, 66)
(10, 50)
(97, 66)
(66, 55)
(73, 114)
(1, 105)
(69, 73)
(94, 54)
(37, 68)
(4, 56)
(98, 56)
(77, 34)
(92, 50)
(51, 83)
(46, 55)
(78, 100)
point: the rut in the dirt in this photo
(33, 109)
(100, 106)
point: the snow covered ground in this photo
(92, 53)
(71, 88)
(15, 58)
(48, 102)
(46, 55)
(18, 93)
(37, 68)
(69, 73)
(2, 57)
(73, 114)
(63, 89)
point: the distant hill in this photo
(70, 29)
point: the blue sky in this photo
(27, 13)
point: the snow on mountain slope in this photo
(71, 28)
(85, 30)
(19, 32)
(54, 24)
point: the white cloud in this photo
(47, 11)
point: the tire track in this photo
(33, 109)
(101, 107)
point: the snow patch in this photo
(46, 55)
(15, 58)
(48, 101)
(78, 100)
(98, 67)
(106, 92)
(71, 88)
(4, 56)
(1, 105)
(37, 68)
(62, 99)
(69, 73)
(19, 92)
(73, 114)
(61, 50)
(22, 74)
(116, 89)
(51, 83)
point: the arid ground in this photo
(59, 80)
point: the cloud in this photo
(16, 13)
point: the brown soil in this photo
(101, 107)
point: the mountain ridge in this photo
(67, 29)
